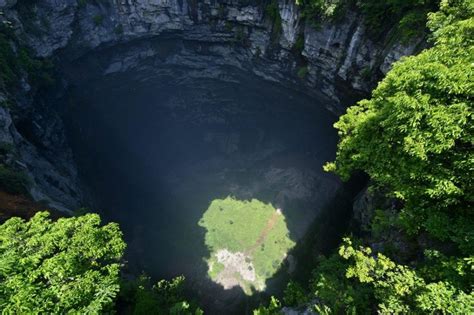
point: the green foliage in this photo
(11, 181)
(98, 19)
(303, 72)
(273, 308)
(294, 294)
(411, 24)
(8, 74)
(357, 281)
(273, 12)
(410, 15)
(456, 270)
(264, 241)
(317, 10)
(414, 137)
(377, 13)
(337, 293)
(165, 297)
(39, 70)
(414, 134)
(366, 73)
(383, 221)
(16, 62)
(399, 289)
(81, 3)
(298, 47)
(68, 266)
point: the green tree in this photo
(335, 292)
(409, 15)
(414, 137)
(164, 297)
(273, 308)
(399, 289)
(415, 134)
(54, 267)
(377, 13)
(294, 294)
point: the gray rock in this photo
(290, 23)
(211, 35)
(335, 51)
(5, 4)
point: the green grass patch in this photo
(215, 269)
(253, 228)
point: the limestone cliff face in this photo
(341, 51)
(336, 58)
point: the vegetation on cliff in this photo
(414, 138)
(409, 16)
(16, 64)
(414, 135)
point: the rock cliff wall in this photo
(338, 62)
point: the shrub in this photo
(12, 181)
(298, 47)
(98, 19)
(164, 297)
(303, 72)
(414, 133)
(273, 12)
(118, 29)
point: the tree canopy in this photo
(415, 134)
(414, 138)
(52, 267)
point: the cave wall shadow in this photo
(107, 165)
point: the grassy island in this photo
(248, 242)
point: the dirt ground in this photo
(21, 206)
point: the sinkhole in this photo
(181, 148)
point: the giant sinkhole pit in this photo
(211, 171)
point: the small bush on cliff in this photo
(164, 297)
(16, 62)
(12, 181)
(273, 308)
(71, 265)
(410, 15)
(273, 12)
(414, 138)
(98, 19)
(377, 13)
(317, 10)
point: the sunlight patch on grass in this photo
(248, 242)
